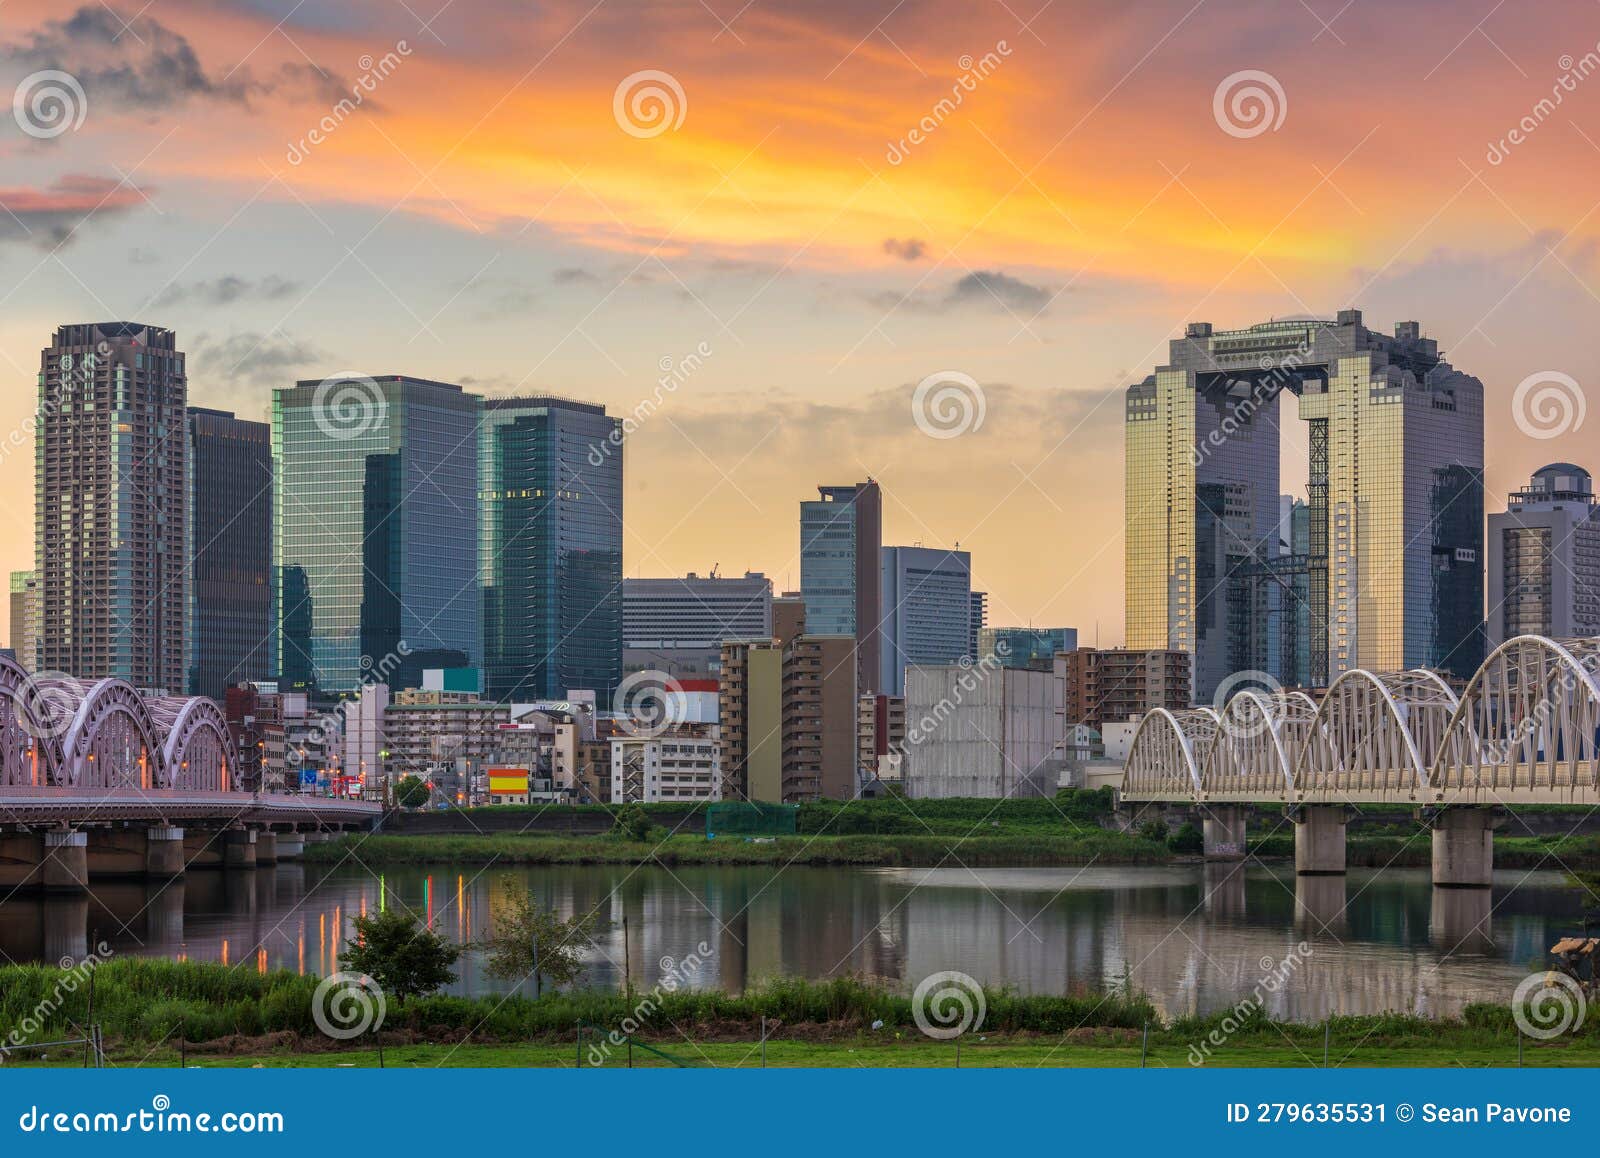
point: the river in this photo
(1195, 938)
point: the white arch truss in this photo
(1256, 744)
(1528, 723)
(1168, 748)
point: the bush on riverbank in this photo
(144, 1005)
(145, 1000)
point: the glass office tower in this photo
(841, 545)
(231, 499)
(375, 530)
(927, 611)
(551, 548)
(1392, 565)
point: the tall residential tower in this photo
(1544, 558)
(111, 494)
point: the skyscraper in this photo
(841, 540)
(231, 545)
(1544, 558)
(24, 618)
(551, 548)
(1394, 566)
(927, 610)
(375, 530)
(678, 625)
(111, 504)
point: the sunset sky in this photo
(485, 218)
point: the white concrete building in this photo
(680, 764)
(983, 731)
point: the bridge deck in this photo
(28, 806)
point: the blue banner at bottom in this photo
(784, 1112)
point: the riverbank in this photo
(157, 1013)
(1098, 846)
(1409, 847)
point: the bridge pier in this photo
(1319, 839)
(65, 867)
(1463, 847)
(291, 846)
(163, 852)
(266, 848)
(1223, 830)
(239, 848)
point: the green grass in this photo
(242, 1017)
(1062, 847)
(980, 1049)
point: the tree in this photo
(1154, 830)
(529, 940)
(403, 957)
(632, 823)
(1187, 840)
(411, 792)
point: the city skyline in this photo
(826, 273)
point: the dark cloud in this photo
(140, 63)
(994, 290)
(572, 275)
(982, 290)
(225, 291)
(253, 359)
(53, 216)
(910, 249)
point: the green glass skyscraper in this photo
(375, 530)
(551, 506)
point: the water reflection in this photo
(1195, 938)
